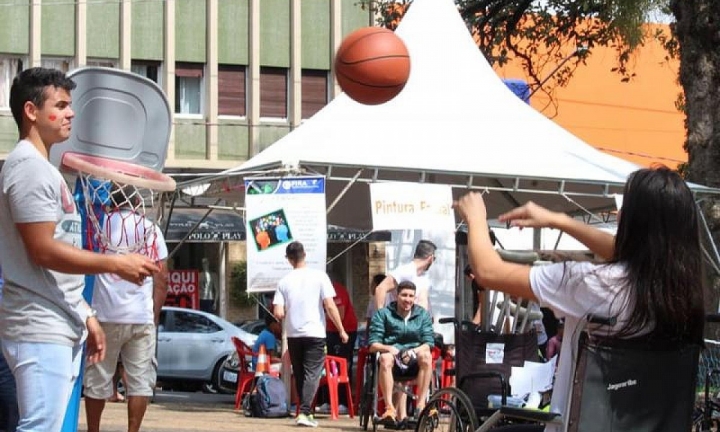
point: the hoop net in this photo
(121, 202)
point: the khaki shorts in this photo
(136, 344)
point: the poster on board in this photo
(279, 211)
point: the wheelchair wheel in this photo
(462, 403)
(441, 415)
(366, 402)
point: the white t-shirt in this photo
(117, 300)
(408, 272)
(302, 292)
(572, 290)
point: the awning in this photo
(227, 225)
(218, 226)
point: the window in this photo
(9, 68)
(273, 92)
(188, 88)
(231, 90)
(314, 91)
(163, 324)
(63, 64)
(188, 322)
(108, 63)
(149, 70)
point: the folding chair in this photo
(622, 385)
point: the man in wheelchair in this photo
(402, 334)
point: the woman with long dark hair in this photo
(652, 277)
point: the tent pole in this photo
(344, 191)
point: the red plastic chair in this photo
(245, 373)
(333, 383)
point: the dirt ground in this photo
(203, 413)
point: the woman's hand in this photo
(531, 215)
(471, 205)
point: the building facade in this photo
(239, 74)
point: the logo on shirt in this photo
(68, 203)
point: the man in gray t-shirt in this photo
(43, 317)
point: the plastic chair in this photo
(245, 373)
(333, 383)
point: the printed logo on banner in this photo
(183, 289)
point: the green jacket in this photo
(389, 328)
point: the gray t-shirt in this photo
(39, 305)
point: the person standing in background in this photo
(302, 298)
(415, 271)
(129, 315)
(335, 346)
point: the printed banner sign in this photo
(402, 206)
(183, 289)
(279, 211)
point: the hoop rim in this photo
(118, 171)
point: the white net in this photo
(120, 215)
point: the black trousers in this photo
(307, 356)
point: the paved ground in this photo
(180, 411)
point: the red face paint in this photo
(52, 117)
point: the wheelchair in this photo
(371, 398)
(616, 386)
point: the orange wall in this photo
(637, 120)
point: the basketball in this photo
(372, 65)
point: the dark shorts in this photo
(411, 372)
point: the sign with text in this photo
(401, 206)
(279, 211)
(183, 289)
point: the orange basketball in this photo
(372, 65)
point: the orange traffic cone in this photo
(263, 363)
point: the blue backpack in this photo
(269, 400)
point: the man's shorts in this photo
(136, 344)
(410, 372)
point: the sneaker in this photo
(324, 408)
(306, 420)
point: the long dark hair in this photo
(658, 239)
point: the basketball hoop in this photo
(119, 193)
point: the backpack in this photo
(269, 400)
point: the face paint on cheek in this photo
(52, 117)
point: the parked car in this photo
(253, 326)
(192, 345)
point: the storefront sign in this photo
(183, 289)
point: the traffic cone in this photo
(263, 363)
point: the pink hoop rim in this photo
(118, 171)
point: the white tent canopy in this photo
(454, 123)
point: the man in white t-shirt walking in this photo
(303, 296)
(128, 314)
(415, 271)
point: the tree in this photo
(542, 33)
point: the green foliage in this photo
(238, 285)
